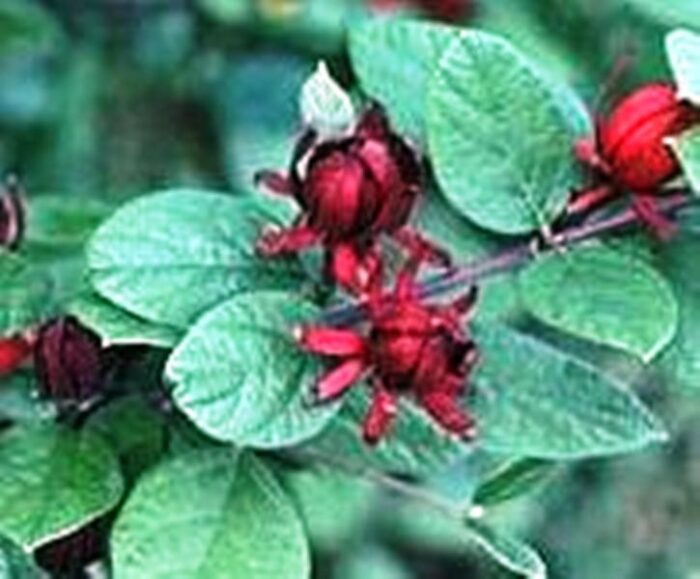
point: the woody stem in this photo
(519, 255)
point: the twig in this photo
(517, 256)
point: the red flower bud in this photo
(631, 151)
(412, 349)
(13, 351)
(68, 361)
(632, 140)
(12, 215)
(350, 190)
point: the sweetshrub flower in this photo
(350, 190)
(412, 348)
(631, 153)
(68, 361)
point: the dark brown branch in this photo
(517, 256)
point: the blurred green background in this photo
(106, 99)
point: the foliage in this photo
(137, 129)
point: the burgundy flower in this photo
(68, 361)
(12, 215)
(350, 191)
(13, 352)
(630, 151)
(444, 10)
(412, 349)
(447, 10)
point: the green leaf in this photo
(531, 400)
(334, 506)
(24, 294)
(687, 148)
(501, 135)
(135, 431)
(393, 60)
(171, 256)
(240, 376)
(513, 480)
(209, 514)
(325, 106)
(416, 445)
(18, 400)
(678, 261)
(511, 553)
(683, 48)
(604, 296)
(54, 481)
(15, 563)
(118, 327)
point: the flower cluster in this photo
(351, 190)
(412, 348)
(631, 153)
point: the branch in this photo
(515, 257)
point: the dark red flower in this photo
(350, 190)
(12, 215)
(447, 10)
(412, 348)
(444, 10)
(68, 361)
(631, 152)
(13, 352)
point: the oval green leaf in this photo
(501, 135)
(531, 400)
(209, 514)
(171, 256)
(678, 261)
(54, 481)
(240, 376)
(393, 60)
(604, 296)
